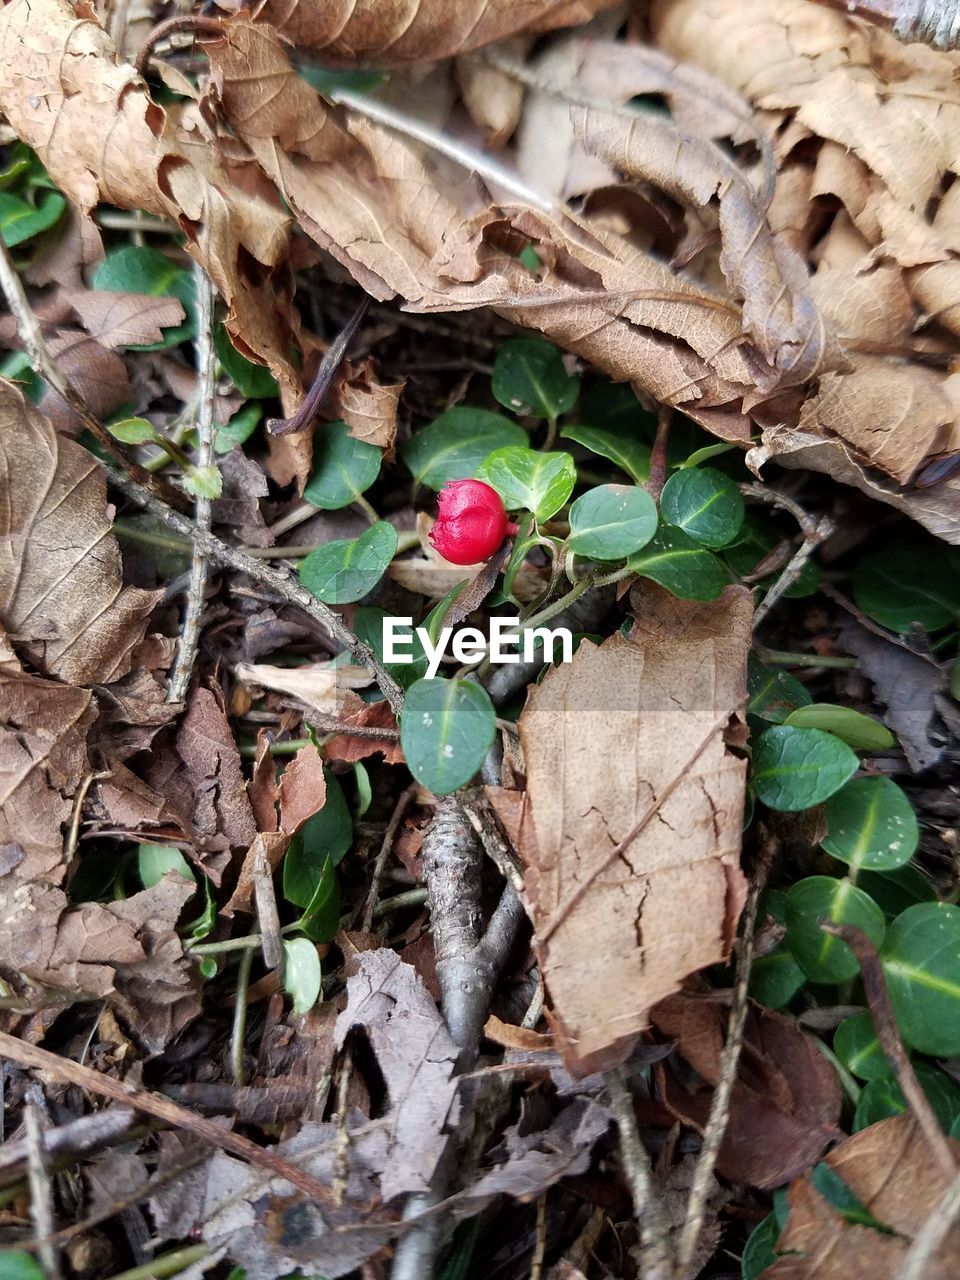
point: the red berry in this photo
(471, 522)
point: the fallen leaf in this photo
(124, 319)
(62, 598)
(366, 404)
(493, 98)
(98, 375)
(368, 715)
(616, 853)
(321, 685)
(417, 1057)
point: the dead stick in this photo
(884, 1019)
(636, 1167)
(312, 402)
(154, 1104)
(385, 846)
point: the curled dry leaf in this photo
(888, 1168)
(321, 685)
(62, 598)
(617, 859)
(367, 405)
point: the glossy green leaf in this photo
(528, 480)
(612, 521)
(325, 837)
(321, 917)
(239, 429)
(823, 957)
(686, 569)
(894, 891)
(16, 1264)
(346, 570)
(530, 379)
(776, 978)
(828, 1183)
(863, 733)
(759, 1252)
(368, 626)
(921, 963)
(21, 221)
(884, 1097)
(133, 431)
(328, 79)
(614, 405)
(773, 693)
(795, 769)
(301, 973)
(343, 468)
(856, 1045)
(15, 366)
(453, 446)
(704, 503)
(446, 730)
(361, 776)
(619, 444)
(139, 269)
(250, 379)
(871, 825)
(907, 584)
(155, 860)
(523, 542)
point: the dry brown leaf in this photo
(98, 375)
(888, 1168)
(62, 598)
(367, 405)
(321, 685)
(348, 32)
(370, 715)
(610, 922)
(122, 319)
(493, 98)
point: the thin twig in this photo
(41, 1192)
(636, 1167)
(814, 531)
(927, 1241)
(540, 1241)
(43, 363)
(203, 507)
(331, 725)
(195, 23)
(658, 454)
(238, 1030)
(385, 846)
(720, 1103)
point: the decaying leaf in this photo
(415, 1053)
(62, 599)
(889, 1169)
(124, 319)
(366, 404)
(618, 860)
(366, 715)
(321, 685)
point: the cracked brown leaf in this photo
(618, 860)
(62, 598)
(124, 319)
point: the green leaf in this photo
(704, 503)
(612, 521)
(301, 973)
(326, 80)
(446, 730)
(856, 1045)
(528, 480)
(368, 626)
(343, 468)
(325, 837)
(250, 379)
(686, 569)
(614, 406)
(795, 769)
(884, 1097)
(529, 377)
(364, 787)
(239, 429)
(921, 962)
(863, 733)
(15, 366)
(138, 269)
(909, 584)
(759, 1252)
(20, 220)
(773, 693)
(203, 482)
(15, 1264)
(155, 860)
(706, 453)
(754, 542)
(321, 917)
(776, 978)
(617, 443)
(840, 1197)
(343, 571)
(525, 539)
(821, 956)
(133, 431)
(871, 825)
(894, 891)
(453, 446)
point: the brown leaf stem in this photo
(333, 357)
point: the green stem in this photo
(366, 508)
(168, 1264)
(240, 1018)
(783, 658)
(551, 437)
(146, 538)
(289, 748)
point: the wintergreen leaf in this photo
(921, 963)
(840, 1197)
(759, 1252)
(155, 860)
(321, 917)
(139, 269)
(328, 79)
(871, 825)
(612, 521)
(133, 431)
(894, 891)
(525, 539)
(528, 480)
(301, 973)
(614, 406)
(903, 585)
(15, 366)
(823, 957)
(346, 570)
(239, 429)
(884, 1097)
(686, 569)
(364, 787)
(773, 693)
(326, 836)
(20, 220)
(453, 445)
(619, 444)
(15, 1264)
(795, 769)
(343, 468)
(529, 377)
(754, 542)
(704, 503)
(368, 626)
(863, 733)
(776, 978)
(250, 379)
(856, 1045)
(446, 730)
